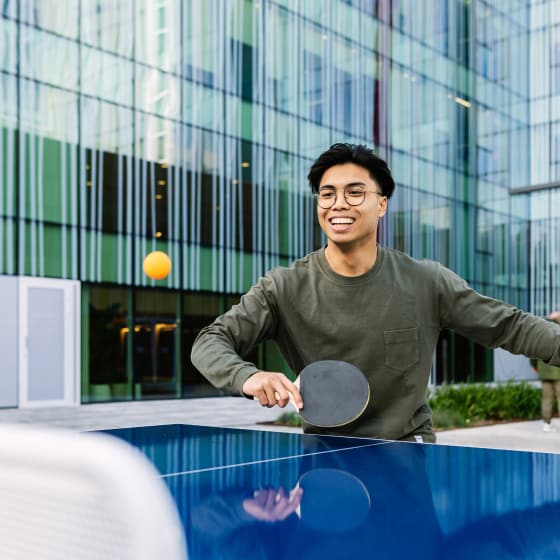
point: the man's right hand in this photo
(272, 388)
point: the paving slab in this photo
(223, 411)
(520, 436)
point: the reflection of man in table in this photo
(401, 521)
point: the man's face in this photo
(345, 224)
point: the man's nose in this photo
(340, 201)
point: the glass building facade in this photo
(188, 126)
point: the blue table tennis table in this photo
(256, 494)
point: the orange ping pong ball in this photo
(157, 265)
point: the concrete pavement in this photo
(243, 413)
(521, 436)
(223, 411)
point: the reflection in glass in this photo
(41, 56)
(8, 46)
(108, 24)
(60, 16)
(106, 186)
(9, 8)
(202, 54)
(107, 134)
(199, 310)
(108, 317)
(8, 172)
(157, 92)
(107, 76)
(545, 251)
(158, 23)
(47, 176)
(155, 351)
(160, 186)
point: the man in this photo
(356, 301)
(550, 380)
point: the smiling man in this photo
(356, 301)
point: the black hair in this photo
(359, 154)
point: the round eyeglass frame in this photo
(331, 204)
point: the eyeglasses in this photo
(354, 196)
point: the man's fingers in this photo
(272, 388)
(287, 392)
(296, 397)
(270, 395)
(282, 397)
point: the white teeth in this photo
(335, 221)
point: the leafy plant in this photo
(289, 419)
(447, 418)
(479, 402)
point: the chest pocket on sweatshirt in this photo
(401, 348)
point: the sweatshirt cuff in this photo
(241, 376)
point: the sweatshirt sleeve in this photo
(493, 323)
(218, 349)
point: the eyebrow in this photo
(357, 184)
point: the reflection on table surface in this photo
(248, 494)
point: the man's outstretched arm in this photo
(493, 323)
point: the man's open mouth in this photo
(341, 224)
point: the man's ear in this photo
(383, 203)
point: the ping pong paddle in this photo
(333, 500)
(334, 393)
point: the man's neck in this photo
(353, 261)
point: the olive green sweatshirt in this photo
(386, 322)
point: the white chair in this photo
(70, 496)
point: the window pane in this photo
(155, 344)
(8, 46)
(106, 186)
(60, 16)
(49, 58)
(158, 23)
(47, 146)
(47, 173)
(108, 339)
(108, 24)
(158, 92)
(199, 310)
(107, 76)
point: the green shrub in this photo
(289, 419)
(477, 402)
(447, 418)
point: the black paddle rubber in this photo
(334, 393)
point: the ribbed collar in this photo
(350, 280)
